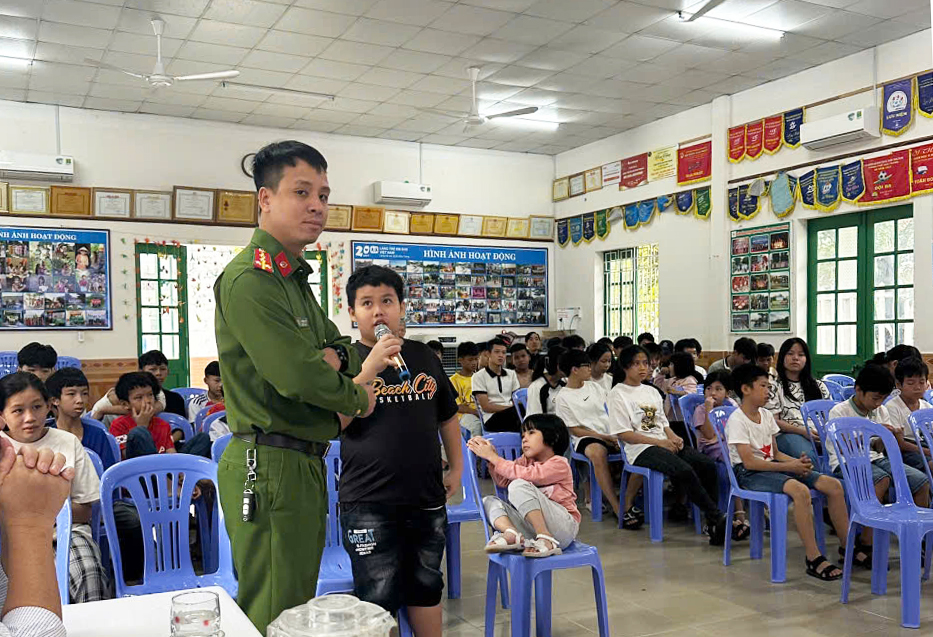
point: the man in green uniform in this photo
(287, 374)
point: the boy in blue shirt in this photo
(68, 394)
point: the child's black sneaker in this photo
(630, 521)
(716, 530)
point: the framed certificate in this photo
(577, 185)
(112, 203)
(338, 217)
(560, 189)
(29, 200)
(517, 228)
(422, 223)
(193, 204)
(4, 200)
(494, 226)
(71, 201)
(471, 226)
(593, 179)
(541, 228)
(396, 222)
(152, 204)
(446, 224)
(237, 207)
(367, 218)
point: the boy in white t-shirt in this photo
(911, 378)
(760, 466)
(638, 412)
(582, 407)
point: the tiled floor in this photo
(680, 588)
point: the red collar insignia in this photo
(261, 260)
(285, 268)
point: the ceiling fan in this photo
(473, 118)
(158, 78)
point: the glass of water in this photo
(196, 614)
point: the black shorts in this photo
(395, 552)
(586, 442)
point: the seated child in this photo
(911, 378)
(682, 381)
(601, 361)
(521, 363)
(109, 408)
(140, 432)
(760, 466)
(582, 407)
(493, 387)
(541, 499)
(214, 395)
(637, 411)
(467, 356)
(68, 393)
(24, 405)
(546, 382)
(764, 358)
(37, 359)
(438, 348)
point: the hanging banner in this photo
(686, 202)
(792, 122)
(773, 134)
(704, 203)
(897, 103)
(737, 144)
(602, 223)
(783, 196)
(749, 205)
(589, 226)
(612, 173)
(921, 169)
(754, 139)
(576, 230)
(806, 190)
(925, 94)
(694, 163)
(827, 182)
(887, 178)
(634, 171)
(734, 204)
(563, 236)
(631, 216)
(853, 185)
(664, 202)
(646, 211)
(662, 163)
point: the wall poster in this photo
(760, 261)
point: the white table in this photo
(146, 616)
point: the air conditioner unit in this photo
(34, 167)
(844, 128)
(401, 193)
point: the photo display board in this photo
(54, 279)
(465, 285)
(760, 260)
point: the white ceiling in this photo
(598, 67)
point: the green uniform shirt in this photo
(271, 334)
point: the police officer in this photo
(287, 374)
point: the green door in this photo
(162, 314)
(860, 296)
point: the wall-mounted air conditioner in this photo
(854, 126)
(35, 167)
(399, 193)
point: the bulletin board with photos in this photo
(465, 285)
(760, 261)
(53, 278)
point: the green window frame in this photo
(161, 307)
(630, 291)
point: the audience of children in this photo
(493, 386)
(547, 381)
(462, 381)
(910, 377)
(109, 407)
(792, 386)
(521, 360)
(744, 350)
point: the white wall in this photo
(120, 150)
(694, 289)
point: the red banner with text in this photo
(634, 171)
(754, 139)
(737, 143)
(921, 169)
(773, 134)
(887, 178)
(695, 163)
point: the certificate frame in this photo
(518, 228)
(577, 184)
(125, 196)
(593, 179)
(495, 227)
(4, 197)
(368, 218)
(237, 208)
(187, 216)
(19, 210)
(446, 223)
(541, 228)
(156, 205)
(421, 223)
(78, 203)
(471, 226)
(560, 189)
(396, 222)
(338, 217)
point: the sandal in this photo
(538, 548)
(499, 544)
(631, 521)
(861, 562)
(828, 573)
(740, 530)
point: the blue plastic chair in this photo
(9, 363)
(835, 390)
(189, 392)
(178, 423)
(852, 440)
(67, 361)
(928, 395)
(335, 575)
(817, 413)
(520, 400)
(62, 550)
(217, 449)
(921, 425)
(688, 406)
(596, 492)
(777, 504)
(87, 421)
(847, 393)
(206, 425)
(508, 444)
(199, 418)
(469, 510)
(163, 508)
(841, 379)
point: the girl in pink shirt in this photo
(541, 499)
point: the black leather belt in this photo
(283, 441)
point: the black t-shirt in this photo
(394, 456)
(175, 404)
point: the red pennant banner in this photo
(694, 163)
(634, 171)
(921, 169)
(754, 139)
(773, 134)
(737, 144)
(887, 178)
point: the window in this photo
(162, 308)
(630, 291)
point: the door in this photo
(860, 297)
(162, 314)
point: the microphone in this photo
(382, 330)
